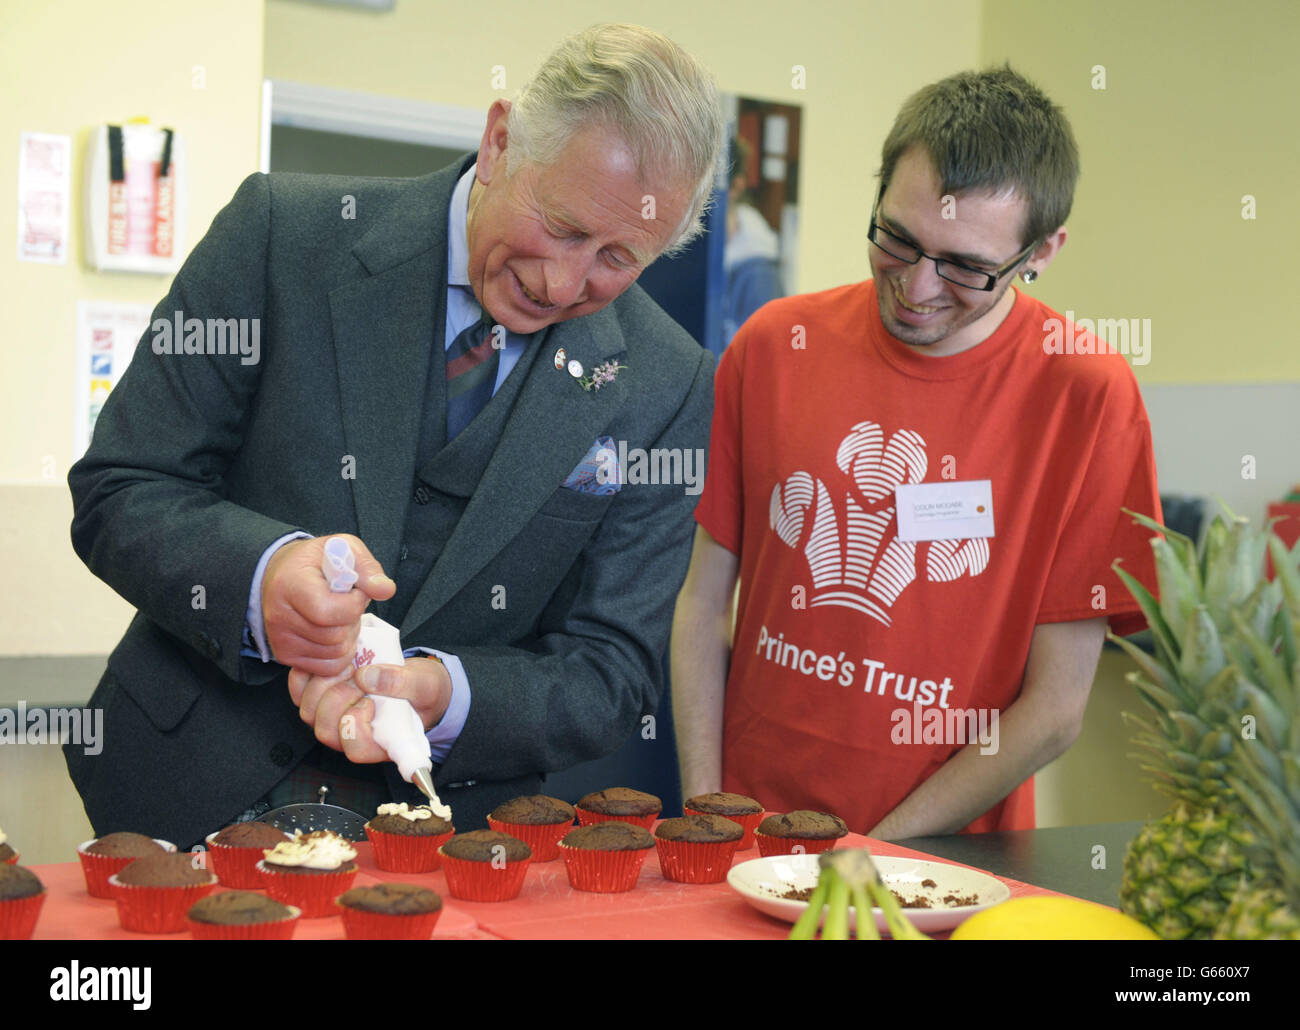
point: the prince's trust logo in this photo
(854, 555)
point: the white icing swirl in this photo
(406, 811)
(3, 837)
(319, 850)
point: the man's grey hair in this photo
(641, 85)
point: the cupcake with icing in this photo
(309, 871)
(7, 854)
(406, 838)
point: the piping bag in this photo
(395, 727)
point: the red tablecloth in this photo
(547, 908)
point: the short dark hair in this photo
(992, 130)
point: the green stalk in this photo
(836, 927)
(805, 927)
(865, 917)
(900, 927)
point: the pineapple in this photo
(1183, 873)
(1265, 770)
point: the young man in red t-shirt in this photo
(918, 482)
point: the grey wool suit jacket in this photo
(199, 462)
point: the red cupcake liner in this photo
(748, 823)
(273, 930)
(544, 840)
(18, 917)
(482, 881)
(376, 926)
(314, 893)
(688, 862)
(143, 909)
(586, 818)
(769, 846)
(403, 853)
(236, 867)
(605, 872)
(98, 868)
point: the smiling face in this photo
(550, 243)
(916, 306)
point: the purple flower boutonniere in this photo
(600, 375)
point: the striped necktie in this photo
(472, 363)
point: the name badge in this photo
(945, 510)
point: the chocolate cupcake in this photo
(621, 803)
(390, 911)
(7, 853)
(736, 807)
(21, 896)
(165, 870)
(484, 865)
(125, 845)
(310, 871)
(239, 908)
(241, 916)
(605, 857)
(537, 820)
(799, 832)
(697, 848)
(238, 848)
(154, 893)
(101, 858)
(406, 839)
(249, 835)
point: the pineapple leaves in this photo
(1165, 645)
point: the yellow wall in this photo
(1200, 108)
(70, 66)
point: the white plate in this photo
(762, 881)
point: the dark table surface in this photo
(1085, 861)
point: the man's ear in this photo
(1047, 250)
(492, 148)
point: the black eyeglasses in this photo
(951, 271)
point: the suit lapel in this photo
(384, 328)
(553, 425)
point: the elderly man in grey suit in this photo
(444, 368)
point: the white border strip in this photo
(366, 114)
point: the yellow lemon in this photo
(1051, 919)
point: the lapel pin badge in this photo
(559, 358)
(575, 368)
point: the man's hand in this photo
(341, 712)
(308, 626)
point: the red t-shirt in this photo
(854, 652)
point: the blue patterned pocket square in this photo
(599, 472)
